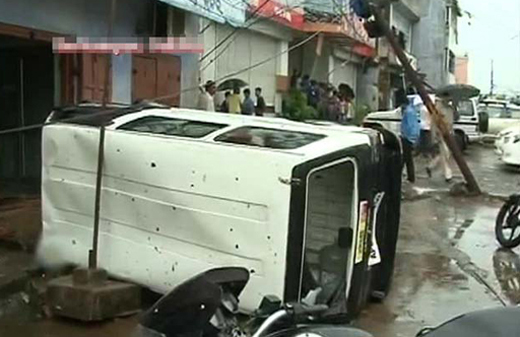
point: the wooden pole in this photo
(436, 117)
(93, 253)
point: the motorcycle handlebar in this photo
(299, 309)
(290, 310)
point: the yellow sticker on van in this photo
(361, 232)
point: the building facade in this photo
(403, 17)
(34, 78)
(435, 41)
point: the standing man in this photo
(206, 97)
(444, 155)
(260, 102)
(410, 131)
(313, 94)
(224, 107)
(248, 106)
(235, 106)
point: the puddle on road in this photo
(440, 240)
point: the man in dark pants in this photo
(410, 131)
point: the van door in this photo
(468, 123)
(329, 242)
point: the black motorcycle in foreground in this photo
(207, 306)
(507, 225)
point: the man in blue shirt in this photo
(410, 131)
(248, 106)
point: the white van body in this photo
(174, 206)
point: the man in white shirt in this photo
(206, 101)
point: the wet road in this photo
(448, 263)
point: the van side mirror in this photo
(345, 235)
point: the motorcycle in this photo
(507, 223)
(496, 322)
(207, 306)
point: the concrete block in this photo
(89, 276)
(95, 301)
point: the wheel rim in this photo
(510, 224)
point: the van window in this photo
(270, 138)
(496, 111)
(171, 126)
(465, 108)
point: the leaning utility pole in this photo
(436, 116)
(94, 252)
(492, 85)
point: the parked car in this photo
(507, 145)
(184, 191)
(501, 115)
(467, 129)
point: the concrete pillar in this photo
(282, 69)
(331, 69)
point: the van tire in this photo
(483, 125)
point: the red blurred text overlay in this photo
(116, 46)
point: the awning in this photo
(232, 12)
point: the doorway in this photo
(26, 98)
(156, 76)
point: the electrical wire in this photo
(258, 18)
(156, 99)
(257, 10)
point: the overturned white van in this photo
(307, 209)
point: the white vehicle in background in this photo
(501, 114)
(507, 145)
(467, 129)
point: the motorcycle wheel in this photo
(508, 224)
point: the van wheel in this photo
(460, 139)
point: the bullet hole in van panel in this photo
(174, 208)
(231, 229)
(236, 179)
(252, 271)
(269, 237)
(153, 165)
(236, 246)
(73, 242)
(133, 199)
(118, 150)
(192, 185)
(157, 229)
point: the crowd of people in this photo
(233, 101)
(331, 103)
